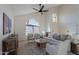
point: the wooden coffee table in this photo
(40, 43)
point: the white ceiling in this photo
(21, 9)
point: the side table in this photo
(75, 48)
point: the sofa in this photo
(58, 45)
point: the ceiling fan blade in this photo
(35, 9)
(44, 10)
(42, 7)
(38, 13)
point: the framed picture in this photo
(6, 24)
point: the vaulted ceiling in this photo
(21, 9)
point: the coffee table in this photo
(41, 43)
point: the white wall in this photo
(53, 26)
(20, 22)
(6, 9)
(69, 17)
(43, 20)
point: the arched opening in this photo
(32, 26)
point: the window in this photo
(28, 29)
(54, 17)
(32, 26)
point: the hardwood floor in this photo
(30, 49)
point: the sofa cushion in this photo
(53, 41)
(60, 37)
(56, 36)
(63, 37)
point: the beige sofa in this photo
(58, 47)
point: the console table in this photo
(10, 45)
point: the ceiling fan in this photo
(41, 9)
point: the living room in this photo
(58, 26)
